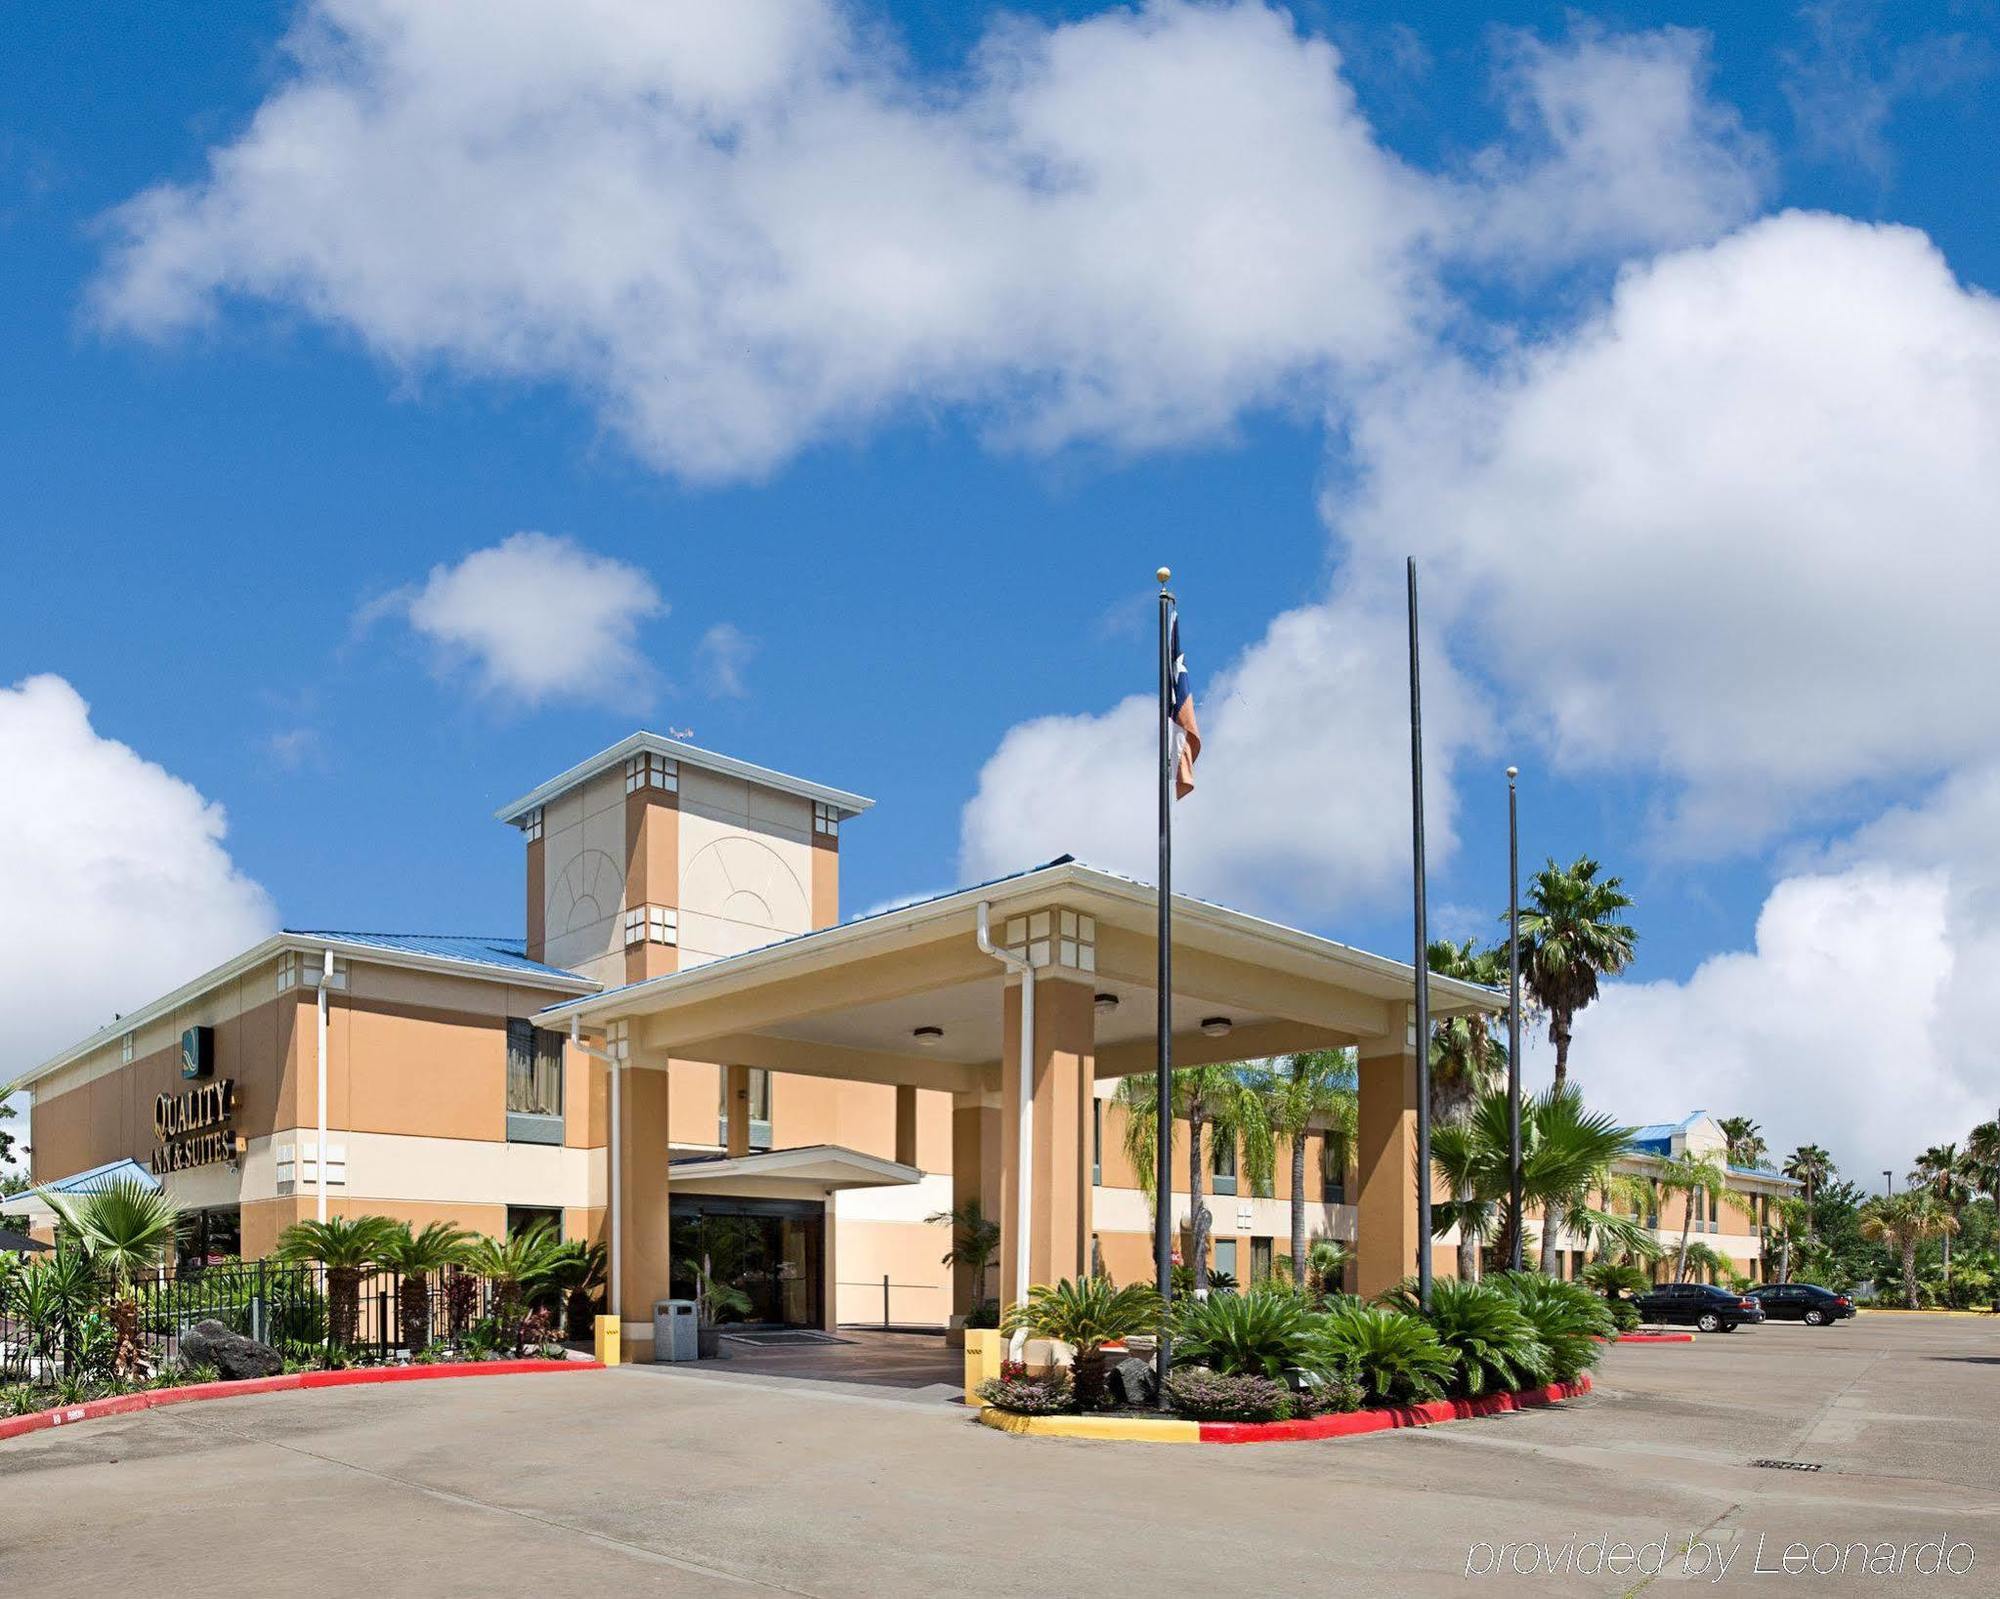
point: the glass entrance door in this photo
(762, 1255)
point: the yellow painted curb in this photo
(1118, 1429)
(1904, 1310)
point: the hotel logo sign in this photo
(195, 1128)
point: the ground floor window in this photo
(206, 1236)
(763, 1256)
(1225, 1257)
(521, 1217)
(1260, 1260)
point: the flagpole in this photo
(1422, 961)
(1514, 1181)
(1163, 1196)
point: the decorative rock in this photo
(210, 1343)
(1132, 1382)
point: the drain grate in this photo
(1787, 1465)
(784, 1339)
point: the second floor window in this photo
(1223, 1163)
(1332, 1179)
(534, 1070)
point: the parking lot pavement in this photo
(658, 1482)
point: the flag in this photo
(1180, 711)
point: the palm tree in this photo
(576, 1272)
(1307, 1092)
(1788, 1222)
(1467, 1058)
(348, 1249)
(1903, 1222)
(1703, 1258)
(416, 1257)
(1566, 1154)
(1227, 1098)
(1812, 1168)
(1746, 1142)
(1982, 1154)
(1688, 1174)
(1942, 1169)
(123, 1229)
(975, 1240)
(1087, 1315)
(515, 1267)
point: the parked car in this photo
(1806, 1302)
(1699, 1305)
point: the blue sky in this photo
(243, 429)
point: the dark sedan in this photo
(1699, 1305)
(1806, 1302)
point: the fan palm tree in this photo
(1904, 1222)
(1226, 1099)
(1812, 1168)
(1788, 1224)
(1467, 1058)
(1566, 1153)
(1942, 1170)
(1982, 1154)
(1746, 1142)
(1308, 1092)
(416, 1257)
(124, 1229)
(1689, 1174)
(348, 1249)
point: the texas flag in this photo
(1180, 711)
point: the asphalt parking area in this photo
(657, 1482)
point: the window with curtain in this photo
(534, 1070)
(1223, 1163)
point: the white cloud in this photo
(1618, 149)
(536, 618)
(1862, 1018)
(1302, 800)
(114, 873)
(739, 230)
(723, 654)
(1736, 529)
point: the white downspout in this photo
(325, 980)
(615, 1169)
(1025, 1153)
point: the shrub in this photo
(983, 1316)
(1329, 1393)
(1225, 1396)
(1568, 1317)
(1086, 1314)
(1396, 1358)
(1624, 1315)
(1262, 1332)
(1030, 1396)
(1494, 1345)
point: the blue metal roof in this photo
(1767, 1174)
(115, 1171)
(508, 954)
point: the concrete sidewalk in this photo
(657, 1481)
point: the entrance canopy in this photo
(830, 1167)
(908, 997)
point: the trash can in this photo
(676, 1330)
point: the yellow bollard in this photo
(984, 1349)
(607, 1340)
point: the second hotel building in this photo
(444, 1100)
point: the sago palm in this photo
(125, 1229)
(1087, 1314)
(416, 1257)
(348, 1249)
(514, 1267)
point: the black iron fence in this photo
(295, 1308)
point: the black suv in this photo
(1699, 1305)
(1806, 1302)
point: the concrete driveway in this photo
(651, 1481)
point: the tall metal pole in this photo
(1514, 1195)
(1422, 961)
(1163, 1193)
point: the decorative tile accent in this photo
(652, 771)
(1054, 938)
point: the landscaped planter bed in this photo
(150, 1398)
(1134, 1428)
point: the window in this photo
(1225, 1256)
(521, 1217)
(760, 1109)
(1222, 1161)
(1097, 1140)
(531, 825)
(125, 1049)
(826, 820)
(1332, 1179)
(206, 1236)
(652, 924)
(1261, 1260)
(652, 771)
(534, 1084)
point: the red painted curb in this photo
(1364, 1421)
(1656, 1338)
(361, 1376)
